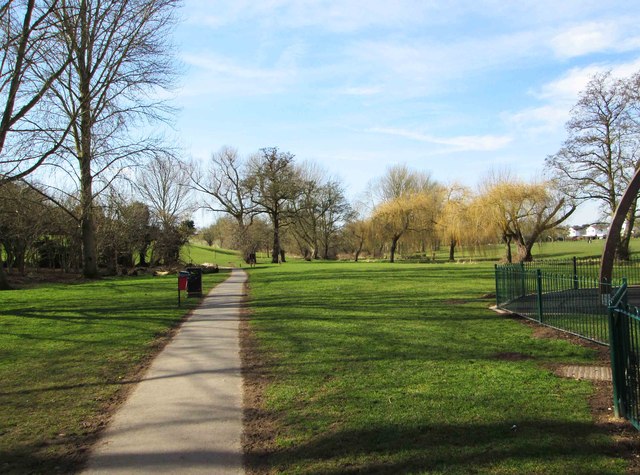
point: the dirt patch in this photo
(258, 437)
(512, 356)
(625, 436)
(42, 276)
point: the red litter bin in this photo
(183, 280)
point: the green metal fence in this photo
(624, 322)
(588, 267)
(571, 303)
(585, 307)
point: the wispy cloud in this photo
(462, 143)
(220, 75)
(596, 37)
(557, 97)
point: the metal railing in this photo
(583, 306)
(624, 321)
(571, 303)
(587, 267)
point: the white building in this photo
(577, 231)
(597, 231)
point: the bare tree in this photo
(400, 180)
(29, 63)
(31, 60)
(274, 183)
(120, 56)
(164, 185)
(224, 183)
(600, 154)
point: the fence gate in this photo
(624, 334)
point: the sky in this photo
(453, 88)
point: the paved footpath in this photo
(185, 416)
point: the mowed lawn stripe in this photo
(384, 368)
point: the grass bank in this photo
(378, 368)
(201, 253)
(68, 353)
(542, 250)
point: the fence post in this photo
(617, 370)
(523, 283)
(539, 285)
(497, 287)
(617, 352)
(576, 286)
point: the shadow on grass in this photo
(446, 448)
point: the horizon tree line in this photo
(78, 88)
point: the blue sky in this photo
(455, 88)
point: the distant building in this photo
(597, 231)
(577, 231)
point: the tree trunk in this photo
(4, 282)
(359, 250)
(524, 251)
(275, 253)
(452, 250)
(85, 154)
(89, 252)
(622, 249)
(394, 246)
(143, 256)
(507, 240)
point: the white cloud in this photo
(596, 37)
(566, 88)
(343, 17)
(217, 74)
(557, 98)
(462, 143)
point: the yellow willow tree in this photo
(520, 212)
(412, 212)
(454, 219)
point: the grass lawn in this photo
(67, 354)
(379, 368)
(543, 250)
(199, 253)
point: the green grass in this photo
(543, 250)
(379, 368)
(65, 352)
(201, 253)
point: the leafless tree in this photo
(224, 187)
(164, 185)
(400, 180)
(319, 212)
(30, 61)
(120, 58)
(600, 154)
(274, 184)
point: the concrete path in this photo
(185, 416)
